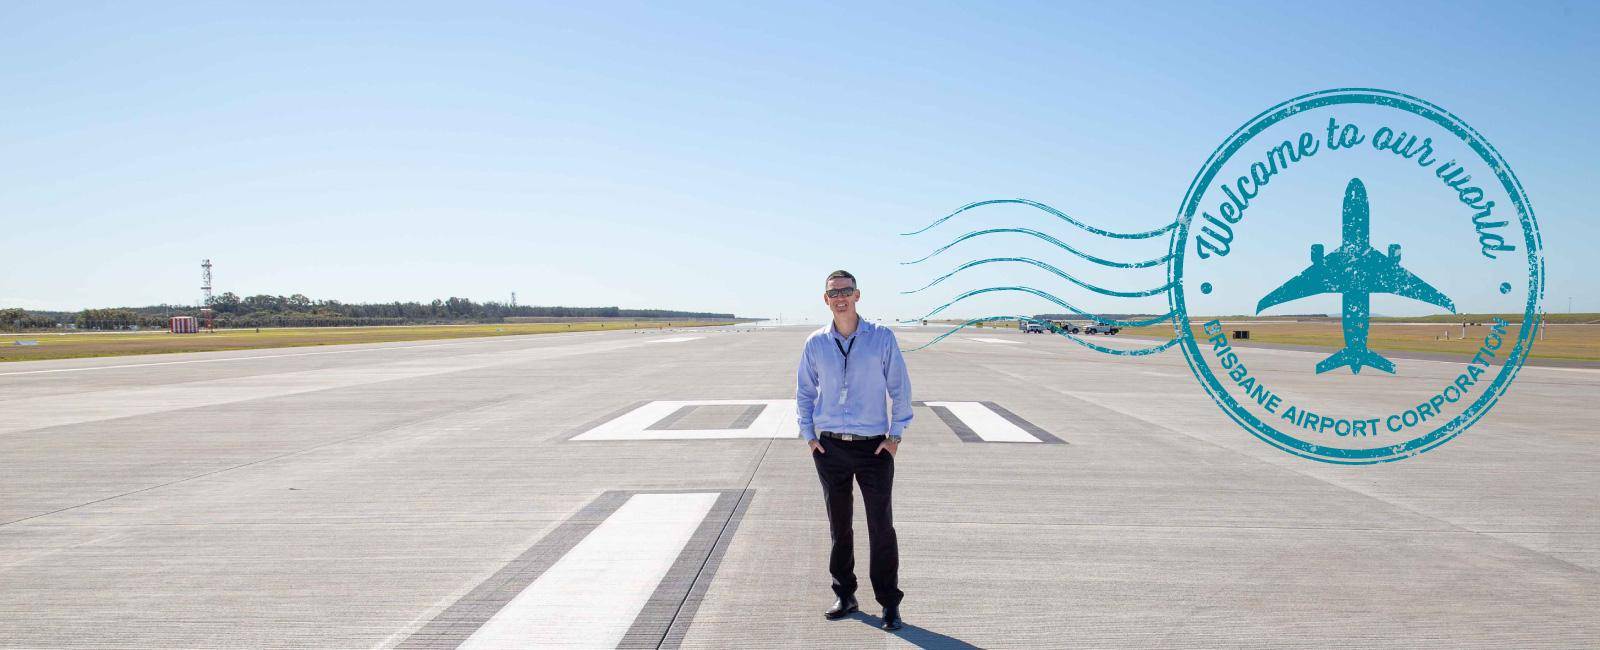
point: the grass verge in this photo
(51, 345)
(1572, 342)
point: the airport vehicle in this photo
(1355, 271)
(1101, 328)
(1059, 326)
(1032, 328)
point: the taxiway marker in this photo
(986, 423)
(591, 596)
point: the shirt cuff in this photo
(809, 433)
(897, 430)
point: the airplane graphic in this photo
(1355, 271)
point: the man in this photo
(846, 370)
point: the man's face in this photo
(841, 296)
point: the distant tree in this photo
(299, 310)
(107, 319)
(458, 307)
(18, 320)
(226, 303)
(11, 319)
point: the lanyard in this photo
(844, 388)
(846, 352)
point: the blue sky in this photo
(707, 157)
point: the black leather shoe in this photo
(891, 618)
(841, 608)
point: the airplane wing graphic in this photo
(1310, 282)
(1368, 272)
(1383, 274)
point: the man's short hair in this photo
(841, 273)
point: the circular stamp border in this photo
(1530, 233)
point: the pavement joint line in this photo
(748, 417)
(653, 624)
(1278, 465)
(412, 422)
(712, 560)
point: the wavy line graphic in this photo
(1058, 272)
(1058, 244)
(1051, 298)
(1053, 270)
(1135, 352)
(1059, 214)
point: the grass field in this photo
(105, 344)
(1577, 339)
(1574, 342)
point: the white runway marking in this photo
(983, 340)
(678, 339)
(590, 597)
(777, 420)
(986, 423)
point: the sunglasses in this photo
(841, 293)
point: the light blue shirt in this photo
(854, 396)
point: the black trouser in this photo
(875, 472)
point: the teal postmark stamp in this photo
(1336, 156)
(1306, 209)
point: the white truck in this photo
(1101, 328)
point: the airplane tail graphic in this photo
(1355, 359)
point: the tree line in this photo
(19, 319)
(230, 310)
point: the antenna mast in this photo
(205, 282)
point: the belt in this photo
(849, 436)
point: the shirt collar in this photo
(862, 326)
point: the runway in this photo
(647, 489)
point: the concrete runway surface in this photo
(646, 489)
